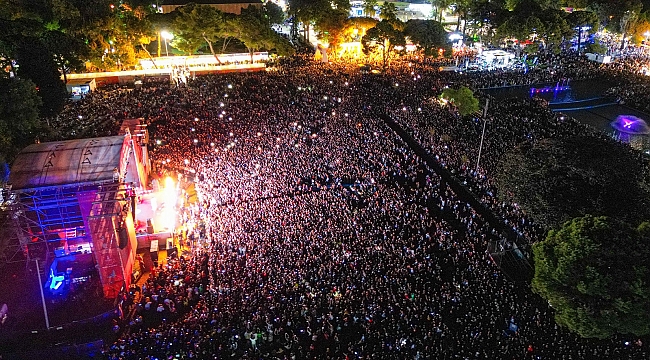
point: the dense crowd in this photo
(325, 236)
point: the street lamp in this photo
(480, 148)
(167, 36)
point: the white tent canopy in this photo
(67, 162)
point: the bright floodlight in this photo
(170, 197)
(166, 35)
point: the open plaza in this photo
(359, 199)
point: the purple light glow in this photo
(631, 125)
(548, 89)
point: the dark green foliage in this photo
(332, 26)
(555, 180)
(596, 48)
(254, 31)
(369, 7)
(429, 35)
(583, 18)
(274, 13)
(388, 11)
(19, 122)
(595, 273)
(463, 99)
(67, 51)
(37, 64)
(542, 20)
(383, 37)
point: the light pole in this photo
(480, 148)
(40, 285)
(167, 36)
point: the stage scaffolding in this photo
(75, 197)
(12, 248)
(111, 229)
(36, 221)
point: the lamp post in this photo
(40, 285)
(167, 36)
(480, 148)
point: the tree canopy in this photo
(388, 11)
(428, 35)
(382, 38)
(19, 118)
(463, 99)
(196, 25)
(273, 13)
(595, 272)
(555, 180)
(254, 32)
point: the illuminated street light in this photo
(167, 36)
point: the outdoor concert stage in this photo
(79, 212)
(69, 216)
(74, 198)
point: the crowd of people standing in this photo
(326, 236)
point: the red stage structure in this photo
(77, 197)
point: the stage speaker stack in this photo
(123, 237)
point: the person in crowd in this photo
(322, 234)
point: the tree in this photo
(341, 5)
(199, 23)
(555, 27)
(382, 38)
(428, 35)
(67, 51)
(161, 22)
(19, 117)
(229, 31)
(555, 180)
(578, 20)
(332, 26)
(37, 64)
(440, 6)
(363, 24)
(306, 11)
(388, 11)
(519, 28)
(594, 272)
(597, 48)
(11, 34)
(463, 99)
(627, 23)
(483, 16)
(577, 4)
(254, 31)
(639, 32)
(583, 18)
(544, 4)
(461, 8)
(274, 13)
(369, 8)
(186, 44)
(526, 19)
(532, 18)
